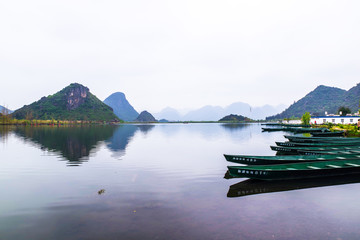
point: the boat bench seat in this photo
(312, 167)
(333, 166)
(352, 164)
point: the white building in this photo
(335, 119)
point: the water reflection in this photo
(72, 143)
(75, 143)
(4, 132)
(145, 128)
(118, 142)
(232, 127)
(251, 186)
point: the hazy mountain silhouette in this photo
(168, 113)
(122, 108)
(5, 110)
(214, 113)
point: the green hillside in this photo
(323, 99)
(74, 102)
(235, 118)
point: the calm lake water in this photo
(163, 181)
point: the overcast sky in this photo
(182, 54)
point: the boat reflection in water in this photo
(252, 186)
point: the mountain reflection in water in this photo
(123, 135)
(252, 186)
(74, 143)
(234, 126)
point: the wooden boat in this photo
(273, 129)
(294, 150)
(286, 125)
(296, 170)
(253, 186)
(272, 124)
(295, 138)
(295, 129)
(328, 134)
(318, 144)
(266, 160)
(345, 152)
(296, 125)
(310, 130)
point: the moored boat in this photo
(328, 134)
(345, 152)
(273, 129)
(294, 150)
(296, 170)
(265, 160)
(296, 138)
(310, 130)
(318, 144)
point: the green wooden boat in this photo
(286, 125)
(328, 134)
(346, 152)
(294, 150)
(310, 130)
(272, 124)
(318, 144)
(295, 129)
(266, 160)
(273, 129)
(296, 170)
(295, 138)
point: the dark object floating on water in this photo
(101, 191)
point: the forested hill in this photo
(323, 99)
(74, 102)
(235, 118)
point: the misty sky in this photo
(182, 54)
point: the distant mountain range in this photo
(122, 108)
(4, 110)
(74, 102)
(214, 113)
(323, 99)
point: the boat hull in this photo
(268, 160)
(318, 144)
(295, 150)
(296, 171)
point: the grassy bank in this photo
(52, 122)
(351, 130)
